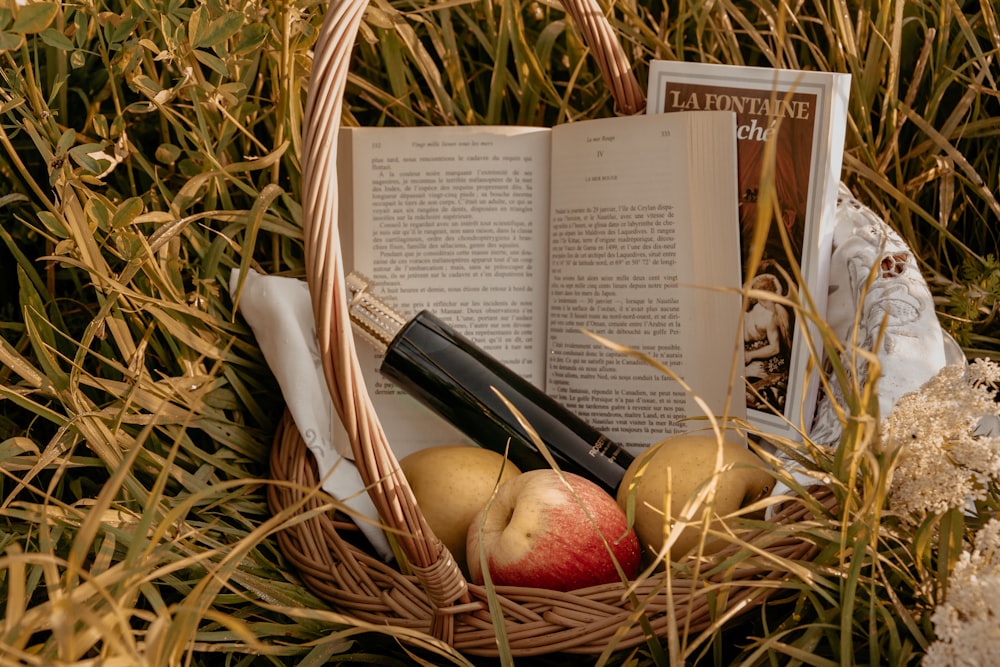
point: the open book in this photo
(520, 238)
(803, 116)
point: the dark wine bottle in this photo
(463, 384)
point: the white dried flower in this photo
(984, 372)
(967, 625)
(945, 461)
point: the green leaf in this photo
(194, 24)
(81, 22)
(34, 18)
(89, 164)
(40, 332)
(147, 85)
(126, 213)
(214, 62)
(101, 126)
(21, 259)
(82, 156)
(53, 224)
(216, 32)
(97, 210)
(11, 104)
(122, 31)
(251, 38)
(10, 41)
(66, 141)
(128, 244)
(57, 39)
(168, 153)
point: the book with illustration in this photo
(790, 133)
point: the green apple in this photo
(451, 483)
(678, 467)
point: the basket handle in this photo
(439, 574)
(607, 51)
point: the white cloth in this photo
(279, 311)
(893, 301)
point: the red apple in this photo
(551, 530)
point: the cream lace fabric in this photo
(876, 290)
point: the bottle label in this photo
(600, 447)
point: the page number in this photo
(664, 133)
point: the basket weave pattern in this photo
(435, 598)
(336, 566)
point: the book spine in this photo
(463, 384)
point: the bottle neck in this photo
(378, 322)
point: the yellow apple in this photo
(451, 483)
(681, 465)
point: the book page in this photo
(803, 115)
(626, 243)
(452, 220)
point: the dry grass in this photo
(135, 411)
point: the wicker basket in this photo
(436, 598)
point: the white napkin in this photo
(279, 311)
